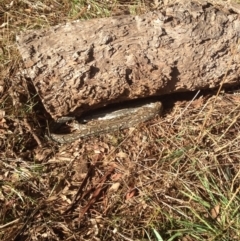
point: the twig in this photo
(25, 122)
(10, 223)
(96, 193)
(80, 190)
(22, 229)
(195, 96)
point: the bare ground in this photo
(176, 177)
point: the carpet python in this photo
(116, 120)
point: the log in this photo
(84, 65)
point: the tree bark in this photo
(88, 64)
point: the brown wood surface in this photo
(87, 64)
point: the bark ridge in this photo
(88, 64)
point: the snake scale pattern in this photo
(116, 120)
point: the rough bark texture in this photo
(87, 64)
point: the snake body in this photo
(116, 120)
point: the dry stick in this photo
(30, 218)
(232, 198)
(10, 223)
(121, 235)
(233, 122)
(84, 10)
(209, 113)
(25, 122)
(219, 89)
(101, 185)
(228, 144)
(79, 192)
(181, 114)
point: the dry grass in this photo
(174, 178)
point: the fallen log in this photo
(84, 65)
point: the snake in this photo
(110, 122)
